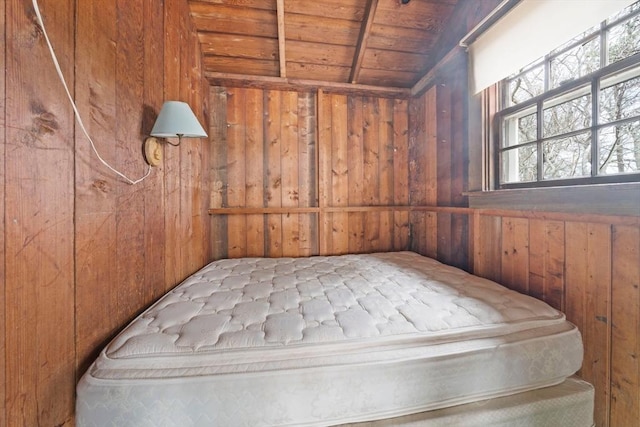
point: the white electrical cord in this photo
(73, 104)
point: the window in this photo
(573, 117)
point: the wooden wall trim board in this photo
(3, 145)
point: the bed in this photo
(330, 340)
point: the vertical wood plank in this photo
(488, 251)
(95, 196)
(325, 234)
(236, 169)
(515, 254)
(339, 173)
(625, 345)
(355, 164)
(307, 167)
(273, 192)
(444, 145)
(254, 163)
(432, 149)
(371, 171)
(546, 261)
(3, 327)
(290, 173)
(39, 263)
(417, 152)
(459, 144)
(218, 159)
(401, 173)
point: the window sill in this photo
(603, 199)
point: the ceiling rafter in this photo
(365, 30)
(281, 38)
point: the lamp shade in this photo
(176, 119)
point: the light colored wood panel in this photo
(625, 345)
(3, 376)
(218, 161)
(38, 243)
(249, 66)
(417, 148)
(318, 72)
(515, 254)
(239, 46)
(236, 172)
(233, 20)
(254, 165)
(352, 10)
(339, 150)
(546, 261)
(324, 170)
(289, 151)
(355, 156)
(316, 29)
(319, 53)
(339, 233)
(307, 167)
(273, 192)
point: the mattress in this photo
(325, 341)
(569, 404)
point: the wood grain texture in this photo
(3, 328)
(39, 292)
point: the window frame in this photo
(589, 83)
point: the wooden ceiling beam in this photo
(279, 83)
(281, 39)
(365, 30)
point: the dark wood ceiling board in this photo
(352, 10)
(234, 20)
(257, 67)
(402, 39)
(320, 54)
(320, 30)
(253, 4)
(239, 46)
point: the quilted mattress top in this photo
(250, 304)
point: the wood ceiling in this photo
(381, 43)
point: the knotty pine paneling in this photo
(84, 251)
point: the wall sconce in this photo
(176, 120)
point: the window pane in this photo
(577, 62)
(568, 157)
(520, 129)
(619, 150)
(520, 164)
(568, 116)
(526, 86)
(620, 100)
(624, 39)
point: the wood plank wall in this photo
(307, 173)
(586, 265)
(82, 251)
